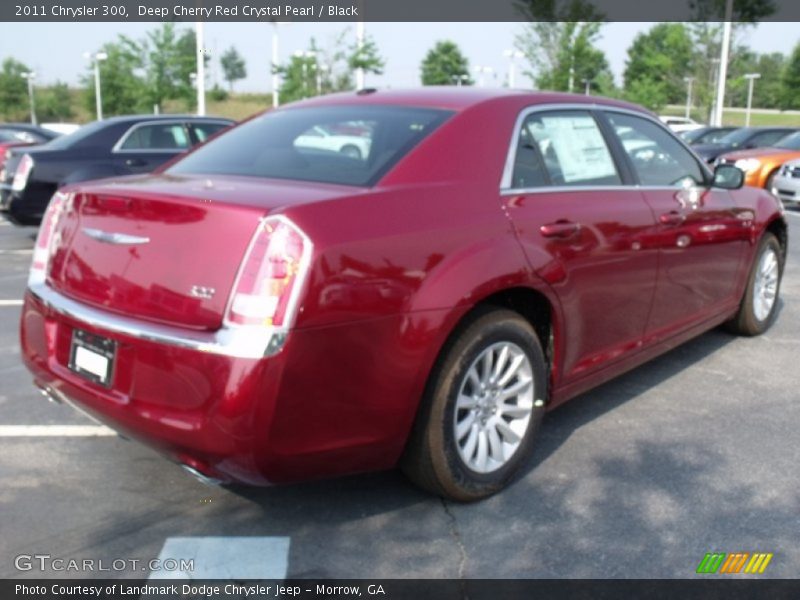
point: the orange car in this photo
(760, 165)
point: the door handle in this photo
(560, 229)
(135, 162)
(673, 217)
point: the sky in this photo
(55, 50)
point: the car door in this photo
(582, 227)
(700, 233)
(148, 145)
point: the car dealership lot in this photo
(691, 453)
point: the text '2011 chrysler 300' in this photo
(269, 309)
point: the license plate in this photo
(92, 357)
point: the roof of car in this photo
(458, 98)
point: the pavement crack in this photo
(456, 535)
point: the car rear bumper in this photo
(307, 411)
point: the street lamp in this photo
(30, 76)
(512, 54)
(96, 58)
(275, 64)
(201, 68)
(587, 87)
(482, 71)
(723, 63)
(751, 78)
(689, 81)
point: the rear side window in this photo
(160, 136)
(562, 148)
(203, 131)
(338, 144)
(768, 138)
(657, 157)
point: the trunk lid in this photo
(165, 248)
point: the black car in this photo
(705, 135)
(109, 148)
(742, 139)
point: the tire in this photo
(758, 308)
(351, 151)
(488, 453)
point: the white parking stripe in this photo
(226, 557)
(55, 431)
(10, 303)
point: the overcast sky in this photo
(55, 50)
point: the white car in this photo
(320, 138)
(786, 183)
(679, 124)
(62, 128)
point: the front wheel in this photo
(759, 304)
(481, 411)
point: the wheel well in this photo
(534, 308)
(779, 230)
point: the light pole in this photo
(482, 71)
(360, 78)
(689, 81)
(751, 78)
(723, 63)
(275, 64)
(201, 68)
(512, 54)
(587, 87)
(96, 58)
(30, 76)
(320, 70)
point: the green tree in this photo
(445, 65)
(233, 66)
(54, 103)
(299, 77)
(790, 81)
(767, 89)
(13, 90)
(658, 61)
(121, 79)
(367, 57)
(559, 43)
(171, 58)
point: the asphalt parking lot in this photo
(692, 453)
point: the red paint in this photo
(394, 269)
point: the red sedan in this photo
(264, 310)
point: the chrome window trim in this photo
(508, 169)
(232, 341)
(117, 148)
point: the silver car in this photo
(786, 184)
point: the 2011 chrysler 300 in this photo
(265, 310)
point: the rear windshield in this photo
(790, 142)
(347, 145)
(71, 139)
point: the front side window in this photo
(160, 136)
(657, 157)
(563, 149)
(203, 131)
(349, 145)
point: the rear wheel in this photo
(759, 304)
(483, 405)
(351, 151)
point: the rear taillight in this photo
(268, 285)
(41, 251)
(22, 173)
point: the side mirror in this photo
(728, 177)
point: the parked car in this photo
(113, 147)
(744, 138)
(15, 135)
(323, 138)
(706, 135)
(761, 165)
(61, 128)
(680, 124)
(786, 184)
(263, 312)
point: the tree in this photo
(171, 58)
(790, 81)
(233, 66)
(299, 77)
(657, 63)
(54, 103)
(121, 79)
(559, 43)
(445, 65)
(366, 57)
(13, 90)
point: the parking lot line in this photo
(8, 431)
(10, 303)
(234, 558)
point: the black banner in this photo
(395, 10)
(713, 588)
